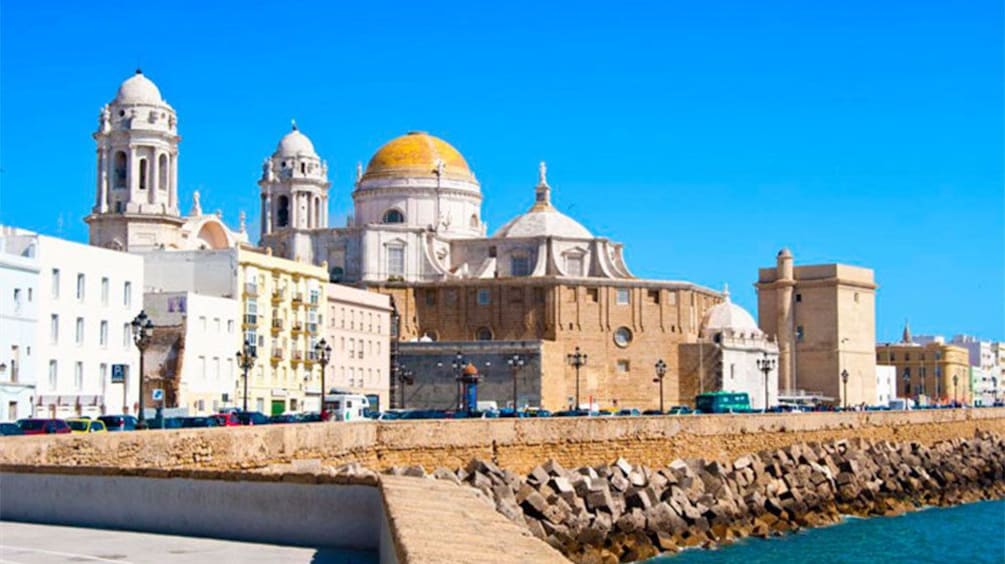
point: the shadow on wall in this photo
(337, 556)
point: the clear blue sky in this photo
(703, 135)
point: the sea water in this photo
(969, 533)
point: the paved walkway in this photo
(436, 521)
(23, 543)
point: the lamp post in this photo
(766, 365)
(844, 380)
(246, 359)
(956, 395)
(458, 365)
(661, 371)
(395, 330)
(405, 377)
(577, 360)
(143, 330)
(516, 363)
(323, 352)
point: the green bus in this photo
(722, 402)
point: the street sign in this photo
(158, 394)
(118, 373)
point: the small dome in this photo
(544, 223)
(728, 315)
(418, 154)
(138, 89)
(295, 143)
(470, 370)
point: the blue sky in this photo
(705, 136)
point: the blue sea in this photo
(968, 533)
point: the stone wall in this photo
(515, 444)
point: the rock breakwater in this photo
(622, 512)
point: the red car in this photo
(228, 419)
(43, 426)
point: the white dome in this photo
(138, 89)
(544, 223)
(728, 315)
(295, 143)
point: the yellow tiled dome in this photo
(418, 154)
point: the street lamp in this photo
(577, 360)
(956, 395)
(766, 365)
(844, 380)
(661, 371)
(143, 330)
(246, 359)
(516, 363)
(323, 352)
(458, 365)
(405, 377)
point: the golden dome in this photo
(418, 154)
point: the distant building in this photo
(84, 357)
(358, 330)
(19, 283)
(886, 384)
(932, 373)
(824, 317)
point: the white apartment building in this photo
(18, 325)
(200, 362)
(84, 358)
(359, 333)
(886, 384)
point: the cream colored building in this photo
(358, 331)
(929, 373)
(825, 319)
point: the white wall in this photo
(18, 325)
(886, 384)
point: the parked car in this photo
(285, 418)
(227, 419)
(631, 412)
(81, 425)
(680, 410)
(10, 429)
(198, 422)
(538, 413)
(652, 412)
(43, 426)
(390, 415)
(575, 413)
(252, 418)
(119, 422)
(309, 417)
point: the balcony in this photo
(298, 298)
(251, 289)
(311, 357)
(278, 296)
(298, 356)
(277, 355)
(298, 327)
(251, 320)
(277, 325)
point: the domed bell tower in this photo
(136, 201)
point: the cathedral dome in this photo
(138, 89)
(543, 220)
(729, 316)
(295, 143)
(418, 154)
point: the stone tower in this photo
(784, 320)
(294, 190)
(136, 201)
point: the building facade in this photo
(824, 317)
(930, 373)
(84, 357)
(19, 283)
(886, 384)
(358, 330)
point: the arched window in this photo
(283, 213)
(474, 220)
(317, 212)
(119, 175)
(162, 172)
(483, 334)
(143, 174)
(393, 216)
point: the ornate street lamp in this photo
(323, 352)
(395, 330)
(956, 395)
(907, 383)
(405, 377)
(458, 364)
(143, 330)
(844, 380)
(246, 359)
(661, 371)
(766, 365)
(577, 360)
(516, 363)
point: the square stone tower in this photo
(825, 320)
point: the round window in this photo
(622, 336)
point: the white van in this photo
(346, 407)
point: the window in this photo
(104, 291)
(574, 265)
(17, 298)
(623, 366)
(856, 297)
(102, 374)
(799, 297)
(127, 294)
(103, 334)
(623, 296)
(216, 325)
(519, 265)
(393, 216)
(483, 334)
(622, 337)
(162, 172)
(654, 296)
(799, 333)
(202, 367)
(396, 261)
(54, 329)
(126, 335)
(78, 376)
(119, 175)
(484, 297)
(55, 283)
(143, 174)
(260, 404)
(53, 369)
(230, 326)
(202, 323)
(80, 331)
(593, 294)
(80, 287)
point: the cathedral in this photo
(542, 280)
